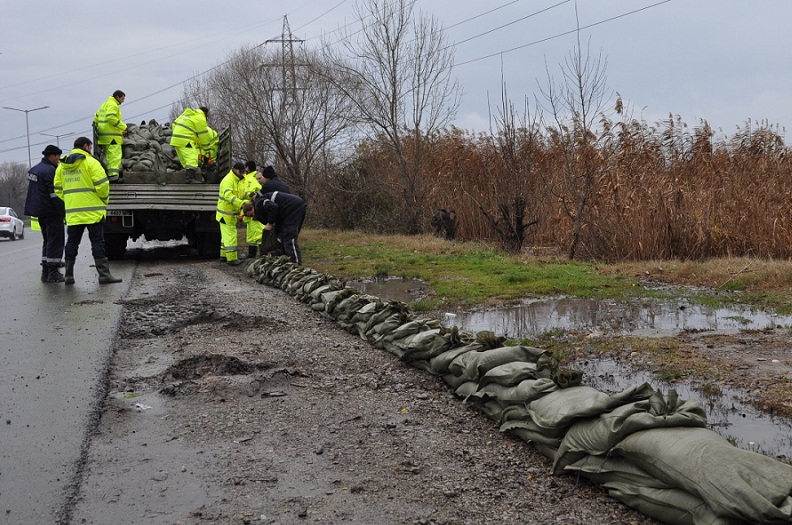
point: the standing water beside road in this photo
(728, 411)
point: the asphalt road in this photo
(55, 346)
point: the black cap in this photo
(51, 150)
(239, 166)
(268, 172)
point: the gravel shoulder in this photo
(232, 402)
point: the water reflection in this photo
(645, 319)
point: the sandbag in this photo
(598, 435)
(734, 483)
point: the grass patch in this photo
(460, 274)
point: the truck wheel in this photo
(115, 245)
(207, 244)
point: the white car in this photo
(11, 226)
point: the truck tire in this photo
(207, 244)
(115, 245)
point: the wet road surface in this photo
(55, 344)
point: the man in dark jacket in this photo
(284, 214)
(270, 181)
(49, 209)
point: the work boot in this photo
(69, 277)
(54, 275)
(252, 251)
(235, 262)
(103, 269)
(44, 272)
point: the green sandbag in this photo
(597, 436)
(734, 483)
(528, 390)
(560, 409)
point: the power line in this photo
(572, 31)
(510, 23)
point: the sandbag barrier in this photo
(651, 451)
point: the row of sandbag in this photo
(651, 451)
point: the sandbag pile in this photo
(147, 148)
(651, 451)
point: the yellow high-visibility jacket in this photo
(248, 187)
(190, 128)
(82, 184)
(109, 124)
(230, 201)
(210, 151)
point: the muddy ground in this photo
(231, 402)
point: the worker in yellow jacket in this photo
(207, 160)
(248, 187)
(190, 137)
(229, 206)
(110, 130)
(81, 182)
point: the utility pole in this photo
(288, 65)
(27, 127)
(57, 137)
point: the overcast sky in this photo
(725, 61)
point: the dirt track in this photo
(231, 402)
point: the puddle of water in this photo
(644, 319)
(391, 288)
(745, 426)
(535, 317)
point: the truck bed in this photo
(179, 197)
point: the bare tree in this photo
(296, 123)
(575, 105)
(511, 175)
(400, 69)
(13, 185)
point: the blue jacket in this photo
(41, 199)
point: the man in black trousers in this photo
(283, 213)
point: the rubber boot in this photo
(44, 272)
(103, 269)
(252, 251)
(69, 267)
(54, 275)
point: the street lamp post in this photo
(27, 127)
(57, 137)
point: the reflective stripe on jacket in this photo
(82, 184)
(109, 125)
(190, 128)
(41, 199)
(229, 200)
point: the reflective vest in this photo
(109, 125)
(190, 128)
(210, 151)
(82, 184)
(248, 187)
(229, 201)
